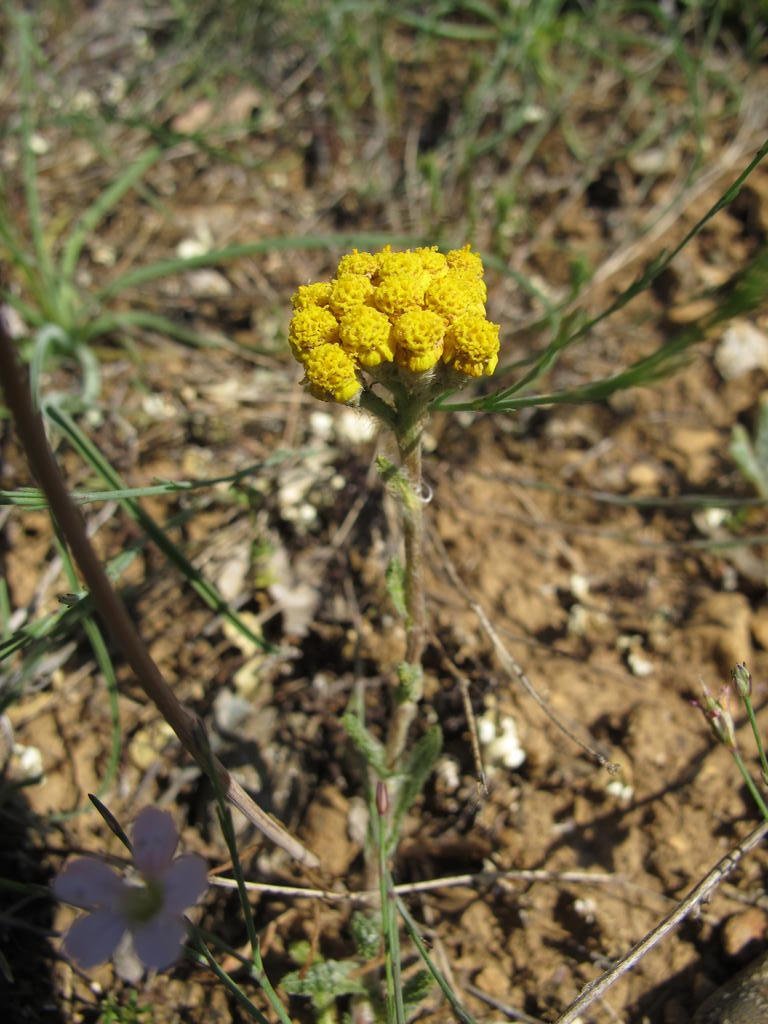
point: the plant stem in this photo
(241, 998)
(750, 783)
(757, 736)
(389, 927)
(408, 435)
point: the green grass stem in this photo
(202, 587)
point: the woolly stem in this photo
(408, 435)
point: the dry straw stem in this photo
(477, 879)
(29, 426)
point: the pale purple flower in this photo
(151, 908)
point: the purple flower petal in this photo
(89, 883)
(158, 941)
(92, 939)
(154, 841)
(185, 882)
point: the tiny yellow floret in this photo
(455, 294)
(311, 327)
(330, 374)
(431, 260)
(472, 345)
(365, 335)
(357, 262)
(466, 260)
(349, 291)
(316, 294)
(418, 338)
(398, 293)
(398, 263)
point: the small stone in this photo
(230, 711)
(691, 441)
(742, 930)
(655, 160)
(744, 348)
(208, 283)
(148, 743)
(698, 447)
(644, 476)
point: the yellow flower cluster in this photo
(416, 309)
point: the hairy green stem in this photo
(409, 440)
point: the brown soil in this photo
(616, 610)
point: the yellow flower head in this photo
(465, 260)
(413, 308)
(330, 374)
(472, 345)
(348, 291)
(456, 293)
(398, 293)
(418, 338)
(365, 335)
(316, 294)
(356, 262)
(311, 327)
(398, 263)
(431, 260)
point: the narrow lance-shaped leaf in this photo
(395, 576)
(416, 771)
(371, 750)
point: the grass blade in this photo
(28, 160)
(163, 268)
(412, 929)
(205, 590)
(101, 207)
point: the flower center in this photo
(142, 902)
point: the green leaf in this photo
(445, 988)
(395, 577)
(410, 682)
(98, 210)
(417, 770)
(367, 745)
(322, 982)
(5, 969)
(366, 934)
(416, 990)
(761, 434)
